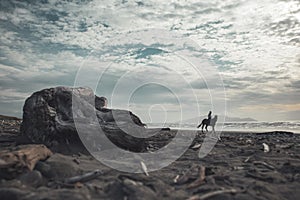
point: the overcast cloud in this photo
(253, 45)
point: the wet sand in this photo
(236, 168)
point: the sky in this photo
(163, 60)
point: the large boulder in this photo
(55, 116)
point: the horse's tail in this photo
(200, 124)
(203, 122)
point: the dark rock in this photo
(58, 167)
(44, 168)
(100, 102)
(276, 133)
(11, 193)
(32, 178)
(130, 189)
(59, 194)
(54, 117)
(136, 187)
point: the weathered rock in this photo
(100, 102)
(55, 116)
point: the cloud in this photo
(254, 46)
(294, 85)
(9, 95)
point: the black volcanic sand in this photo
(237, 166)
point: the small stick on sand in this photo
(84, 178)
(264, 164)
(284, 146)
(176, 179)
(214, 193)
(247, 159)
(196, 146)
(144, 167)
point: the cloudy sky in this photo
(164, 60)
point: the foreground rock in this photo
(54, 117)
(21, 159)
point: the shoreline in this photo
(234, 131)
(242, 126)
(223, 129)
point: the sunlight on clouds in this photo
(268, 107)
(12, 95)
(253, 44)
(288, 107)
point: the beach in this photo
(142, 100)
(238, 167)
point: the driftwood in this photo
(247, 159)
(214, 193)
(84, 178)
(19, 159)
(284, 146)
(200, 180)
(196, 146)
(264, 164)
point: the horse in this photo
(205, 123)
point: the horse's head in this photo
(215, 118)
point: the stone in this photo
(58, 167)
(32, 178)
(55, 116)
(11, 193)
(58, 194)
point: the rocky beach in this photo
(237, 168)
(142, 100)
(55, 164)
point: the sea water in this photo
(291, 126)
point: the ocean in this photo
(291, 126)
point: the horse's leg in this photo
(206, 127)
